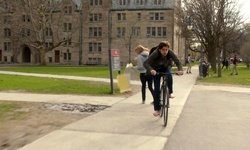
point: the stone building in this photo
(76, 32)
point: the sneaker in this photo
(171, 96)
(190, 72)
(187, 72)
(156, 113)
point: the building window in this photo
(68, 43)
(67, 56)
(25, 32)
(5, 59)
(139, 2)
(138, 16)
(68, 10)
(95, 31)
(156, 16)
(50, 59)
(121, 16)
(136, 31)
(95, 47)
(67, 27)
(94, 61)
(48, 44)
(121, 31)
(7, 46)
(158, 2)
(7, 32)
(26, 18)
(95, 17)
(95, 2)
(48, 32)
(49, 3)
(123, 2)
(156, 32)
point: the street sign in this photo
(115, 53)
(115, 58)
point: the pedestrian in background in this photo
(235, 63)
(189, 64)
(225, 63)
(145, 78)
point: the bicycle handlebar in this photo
(164, 73)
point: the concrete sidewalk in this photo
(128, 124)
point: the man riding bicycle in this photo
(159, 61)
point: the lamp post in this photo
(109, 46)
(197, 45)
(80, 35)
(201, 60)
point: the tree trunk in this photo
(219, 66)
(42, 56)
(212, 59)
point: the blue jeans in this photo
(157, 84)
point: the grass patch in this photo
(6, 108)
(98, 72)
(53, 85)
(242, 79)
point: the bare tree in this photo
(33, 21)
(215, 23)
(245, 50)
(128, 33)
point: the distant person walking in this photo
(235, 63)
(141, 57)
(225, 63)
(189, 64)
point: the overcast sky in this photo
(245, 9)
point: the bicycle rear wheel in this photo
(165, 106)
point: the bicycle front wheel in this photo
(161, 101)
(166, 104)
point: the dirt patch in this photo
(30, 121)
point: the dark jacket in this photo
(156, 61)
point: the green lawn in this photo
(242, 79)
(53, 85)
(64, 86)
(98, 72)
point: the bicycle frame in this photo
(164, 97)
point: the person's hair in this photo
(164, 44)
(141, 48)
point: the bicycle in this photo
(164, 97)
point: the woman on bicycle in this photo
(159, 61)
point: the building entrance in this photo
(26, 54)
